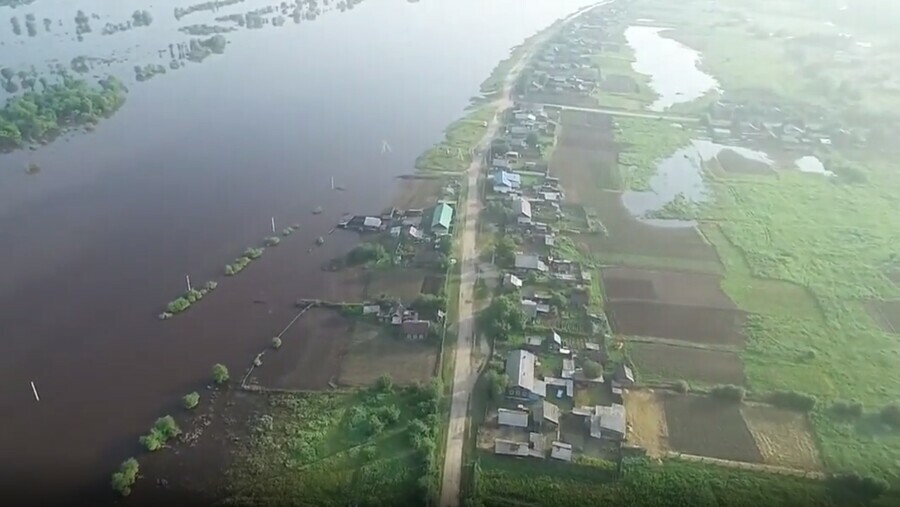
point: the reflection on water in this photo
(672, 67)
(812, 164)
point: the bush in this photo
(681, 386)
(374, 425)
(793, 400)
(367, 252)
(728, 392)
(428, 305)
(177, 306)
(193, 296)
(276, 343)
(384, 384)
(848, 409)
(368, 453)
(167, 427)
(211, 285)
(125, 477)
(220, 373)
(253, 253)
(152, 441)
(390, 415)
(863, 488)
(287, 231)
(272, 241)
(591, 369)
(191, 400)
(891, 415)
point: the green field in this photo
(508, 482)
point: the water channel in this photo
(183, 178)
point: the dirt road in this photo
(464, 375)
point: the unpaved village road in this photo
(624, 113)
(463, 374)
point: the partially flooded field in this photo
(375, 351)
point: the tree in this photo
(167, 427)
(220, 373)
(591, 369)
(503, 317)
(866, 489)
(191, 400)
(558, 300)
(497, 383)
(505, 252)
(367, 252)
(125, 477)
(7, 73)
(532, 139)
(848, 409)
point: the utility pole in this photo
(187, 278)
(273, 225)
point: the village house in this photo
(622, 378)
(416, 329)
(525, 263)
(546, 415)
(511, 280)
(532, 309)
(441, 219)
(608, 422)
(511, 448)
(561, 451)
(372, 223)
(522, 382)
(514, 418)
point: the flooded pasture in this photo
(673, 67)
(186, 176)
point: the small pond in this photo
(672, 67)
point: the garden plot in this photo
(705, 426)
(712, 326)
(683, 288)
(404, 284)
(784, 437)
(657, 360)
(646, 416)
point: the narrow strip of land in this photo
(622, 112)
(463, 375)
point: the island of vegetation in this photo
(39, 115)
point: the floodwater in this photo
(180, 181)
(673, 67)
(681, 176)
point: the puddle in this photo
(678, 177)
(672, 67)
(812, 164)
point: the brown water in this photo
(180, 181)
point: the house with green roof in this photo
(441, 219)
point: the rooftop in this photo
(524, 261)
(442, 217)
(520, 369)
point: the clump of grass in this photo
(272, 241)
(191, 400)
(276, 343)
(847, 409)
(164, 429)
(287, 231)
(165, 316)
(211, 285)
(125, 477)
(257, 361)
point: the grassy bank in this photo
(454, 153)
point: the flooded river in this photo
(672, 67)
(185, 177)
